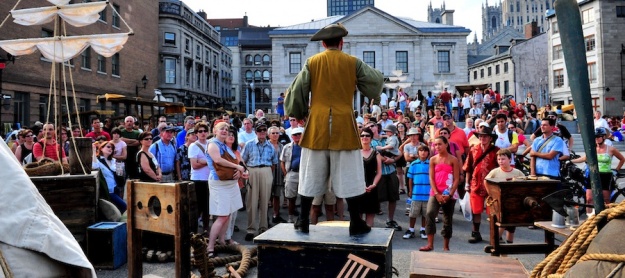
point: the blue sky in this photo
(467, 13)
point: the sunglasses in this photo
(297, 134)
(202, 131)
(261, 130)
(365, 135)
(147, 138)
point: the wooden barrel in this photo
(83, 149)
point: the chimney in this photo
(531, 29)
(202, 14)
(448, 17)
(245, 21)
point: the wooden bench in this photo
(435, 264)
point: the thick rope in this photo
(6, 270)
(574, 248)
(206, 266)
(130, 31)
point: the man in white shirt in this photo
(475, 112)
(384, 100)
(294, 125)
(506, 139)
(413, 105)
(248, 134)
(601, 122)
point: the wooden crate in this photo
(285, 252)
(107, 245)
(73, 198)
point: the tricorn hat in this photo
(332, 31)
(486, 131)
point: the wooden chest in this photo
(73, 198)
(106, 245)
(509, 200)
(285, 252)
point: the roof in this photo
(491, 59)
(255, 36)
(227, 23)
(314, 25)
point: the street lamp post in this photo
(253, 98)
(144, 82)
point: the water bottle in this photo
(446, 192)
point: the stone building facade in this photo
(603, 25)
(430, 55)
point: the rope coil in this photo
(574, 248)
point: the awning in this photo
(95, 112)
(469, 88)
(170, 107)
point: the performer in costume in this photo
(331, 142)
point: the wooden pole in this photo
(572, 38)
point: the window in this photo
(490, 71)
(266, 76)
(115, 16)
(497, 70)
(86, 59)
(401, 61)
(103, 15)
(295, 62)
(43, 108)
(497, 86)
(505, 67)
(257, 76)
(248, 76)
(170, 38)
(481, 73)
(207, 56)
(590, 43)
(266, 60)
(187, 45)
(84, 104)
(21, 108)
(257, 60)
(588, 16)
(554, 28)
(443, 62)
(170, 71)
(592, 72)
(557, 52)
(506, 87)
(115, 64)
(620, 11)
(558, 78)
(475, 75)
(249, 60)
(101, 64)
(187, 73)
(369, 58)
(198, 77)
(198, 51)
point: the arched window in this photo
(266, 60)
(493, 23)
(248, 76)
(257, 76)
(257, 59)
(248, 60)
(438, 20)
(266, 76)
(266, 95)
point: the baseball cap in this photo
(484, 124)
(297, 130)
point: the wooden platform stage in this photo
(285, 252)
(436, 264)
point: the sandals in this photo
(426, 248)
(231, 242)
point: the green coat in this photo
(331, 78)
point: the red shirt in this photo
(52, 151)
(479, 171)
(519, 112)
(445, 97)
(93, 135)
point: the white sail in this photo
(78, 15)
(59, 2)
(61, 49)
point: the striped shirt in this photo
(419, 172)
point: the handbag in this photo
(225, 172)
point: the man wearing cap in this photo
(481, 159)
(410, 147)
(165, 153)
(260, 157)
(289, 162)
(329, 149)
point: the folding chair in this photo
(356, 267)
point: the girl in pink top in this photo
(444, 179)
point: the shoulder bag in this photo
(225, 172)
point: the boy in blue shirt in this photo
(419, 185)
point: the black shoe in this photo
(393, 225)
(278, 220)
(358, 227)
(302, 225)
(249, 237)
(475, 237)
(296, 213)
(236, 228)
